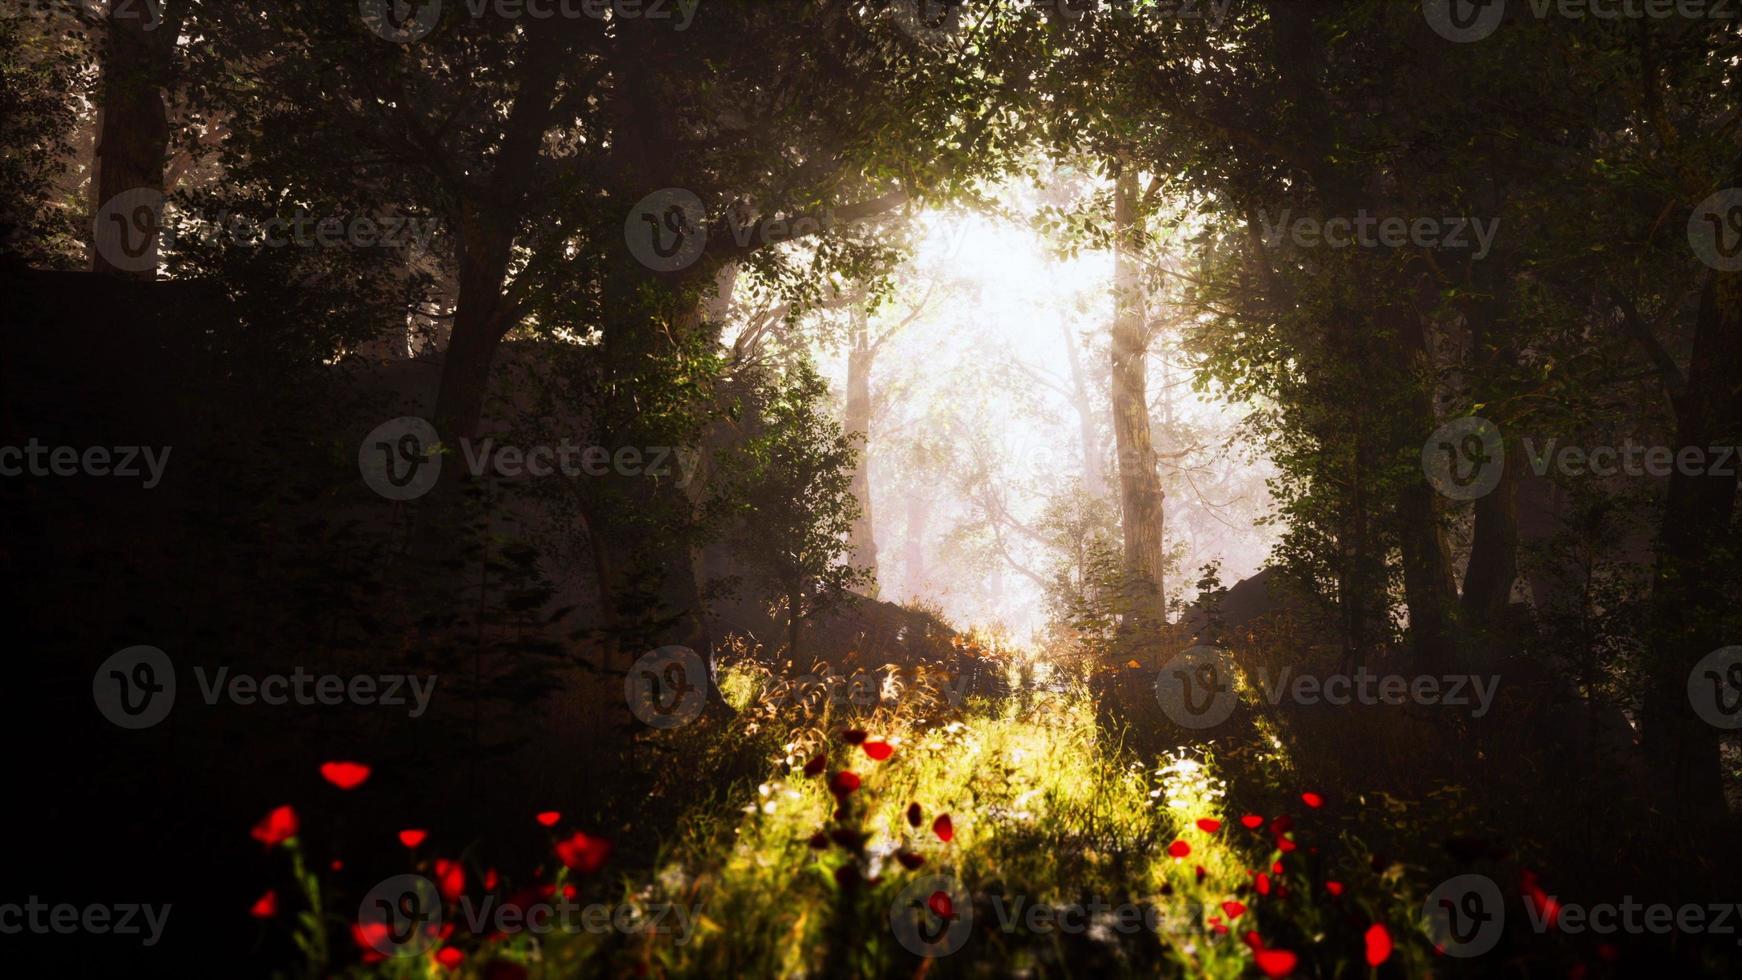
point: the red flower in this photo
(1334, 887)
(1233, 910)
(582, 853)
(1313, 800)
(1547, 906)
(337, 865)
(266, 906)
(941, 905)
(1263, 883)
(844, 782)
(817, 764)
(1275, 962)
(914, 815)
(548, 818)
(853, 736)
(413, 837)
(450, 879)
(491, 879)
(1179, 849)
(1202, 874)
(276, 827)
(450, 957)
(1252, 821)
(1378, 944)
(1208, 825)
(878, 751)
(345, 775)
(944, 827)
(909, 860)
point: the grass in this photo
(1057, 855)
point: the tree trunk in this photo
(1689, 601)
(132, 145)
(861, 543)
(1094, 472)
(913, 549)
(1140, 494)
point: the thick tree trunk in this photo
(132, 145)
(1690, 604)
(861, 543)
(1140, 494)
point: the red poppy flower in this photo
(582, 853)
(1179, 849)
(817, 764)
(1276, 868)
(1285, 845)
(1313, 800)
(1275, 962)
(1252, 821)
(1202, 874)
(1253, 940)
(878, 751)
(1378, 944)
(345, 775)
(1233, 910)
(1263, 884)
(413, 837)
(491, 879)
(941, 905)
(266, 906)
(909, 860)
(853, 736)
(1209, 826)
(1334, 887)
(548, 818)
(276, 827)
(844, 782)
(914, 815)
(450, 957)
(450, 879)
(1547, 906)
(1282, 824)
(944, 827)
(337, 865)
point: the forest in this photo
(524, 489)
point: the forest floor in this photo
(1046, 833)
